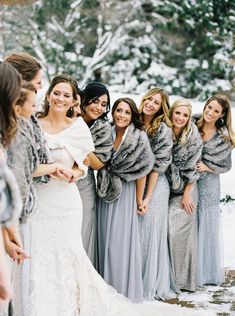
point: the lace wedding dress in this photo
(59, 279)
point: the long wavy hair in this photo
(10, 84)
(183, 137)
(225, 120)
(56, 80)
(135, 115)
(162, 115)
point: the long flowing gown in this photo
(102, 138)
(217, 155)
(59, 279)
(182, 232)
(157, 277)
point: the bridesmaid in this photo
(182, 175)
(215, 127)
(94, 109)
(10, 203)
(120, 187)
(157, 280)
(28, 66)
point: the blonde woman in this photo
(218, 137)
(157, 281)
(182, 175)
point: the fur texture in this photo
(161, 143)
(133, 160)
(216, 153)
(23, 160)
(102, 137)
(183, 167)
(10, 201)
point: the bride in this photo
(59, 279)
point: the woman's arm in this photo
(51, 168)
(140, 184)
(13, 246)
(5, 287)
(186, 201)
(95, 162)
(152, 181)
(201, 166)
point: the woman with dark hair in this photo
(183, 176)
(157, 279)
(215, 127)
(120, 187)
(28, 66)
(10, 203)
(94, 109)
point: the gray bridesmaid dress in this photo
(182, 231)
(216, 154)
(119, 245)
(118, 234)
(157, 278)
(102, 138)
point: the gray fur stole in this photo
(133, 160)
(216, 152)
(183, 167)
(161, 143)
(23, 160)
(101, 133)
(10, 201)
(43, 151)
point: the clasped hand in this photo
(67, 174)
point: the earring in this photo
(221, 122)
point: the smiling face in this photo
(61, 97)
(122, 115)
(95, 108)
(180, 117)
(212, 112)
(152, 104)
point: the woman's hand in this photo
(140, 208)
(187, 203)
(87, 161)
(5, 286)
(13, 247)
(201, 167)
(77, 174)
(62, 173)
(145, 205)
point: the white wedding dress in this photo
(59, 279)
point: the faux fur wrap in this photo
(10, 201)
(23, 160)
(133, 160)
(161, 143)
(43, 151)
(183, 167)
(101, 133)
(216, 152)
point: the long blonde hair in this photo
(183, 137)
(226, 120)
(162, 115)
